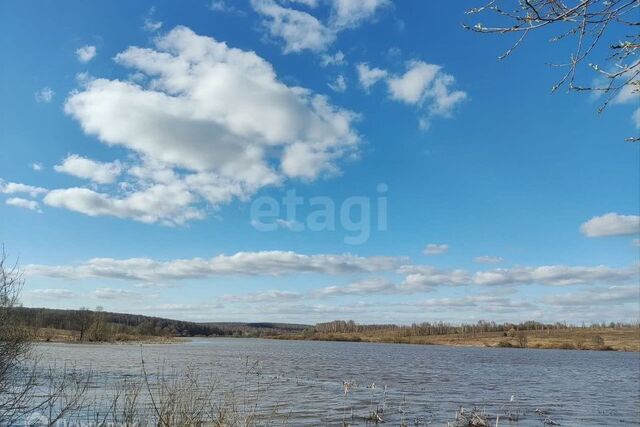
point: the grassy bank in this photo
(68, 336)
(604, 339)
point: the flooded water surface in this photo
(417, 385)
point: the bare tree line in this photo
(443, 328)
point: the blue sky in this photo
(138, 138)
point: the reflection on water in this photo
(423, 383)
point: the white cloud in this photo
(217, 113)
(339, 85)
(299, 30)
(86, 53)
(15, 188)
(151, 26)
(369, 76)
(24, 203)
(630, 93)
(485, 303)
(54, 294)
(590, 297)
(45, 95)
(554, 275)
(267, 296)
(99, 172)
(636, 242)
(271, 263)
(426, 278)
(308, 3)
(420, 278)
(427, 86)
(488, 259)
(337, 58)
(411, 86)
(435, 249)
(368, 286)
(351, 13)
(36, 166)
(224, 6)
(302, 31)
(423, 85)
(166, 204)
(113, 294)
(611, 224)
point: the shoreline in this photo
(183, 340)
(627, 340)
(595, 339)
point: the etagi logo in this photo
(353, 215)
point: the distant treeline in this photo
(442, 328)
(98, 325)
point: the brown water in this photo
(425, 384)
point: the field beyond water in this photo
(605, 339)
(47, 325)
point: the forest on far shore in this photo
(97, 325)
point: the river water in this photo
(425, 385)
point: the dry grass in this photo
(622, 339)
(66, 336)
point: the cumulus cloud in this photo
(352, 13)
(36, 166)
(151, 26)
(435, 249)
(488, 259)
(82, 167)
(15, 188)
(52, 294)
(367, 286)
(339, 84)
(226, 7)
(113, 294)
(167, 204)
(337, 58)
(24, 203)
(423, 278)
(210, 123)
(412, 85)
(590, 297)
(485, 303)
(423, 85)
(267, 296)
(270, 263)
(426, 278)
(611, 224)
(369, 76)
(44, 95)
(554, 275)
(300, 30)
(86, 53)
